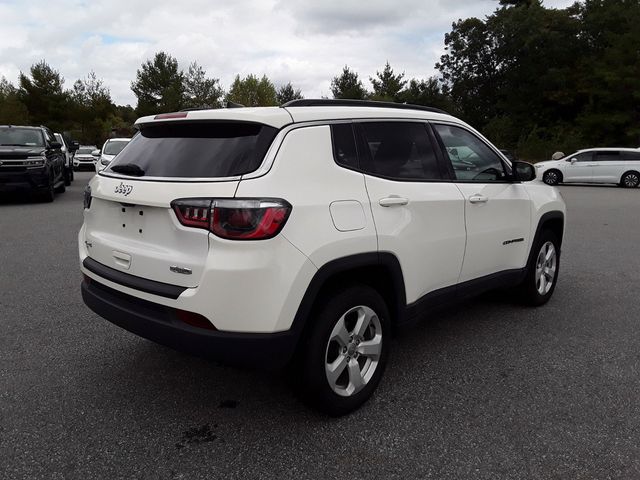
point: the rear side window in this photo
(197, 150)
(607, 156)
(631, 156)
(344, 145)
(399, 150)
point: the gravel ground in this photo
(486, 390)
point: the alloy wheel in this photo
(551, 178)
(353, 351)
(631, 180)
(546, 265)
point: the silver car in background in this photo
(110, 149)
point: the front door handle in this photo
(393, 200)
(477, 198)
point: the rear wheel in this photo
(630, 180)
(346, 351)
(67, 177)
(552, 177)
(542, 271)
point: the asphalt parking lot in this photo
(487, 390)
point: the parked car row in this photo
(34, 159)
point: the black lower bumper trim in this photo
(137, 283)
(161, 325)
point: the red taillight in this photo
(234, 219)
(193, 212)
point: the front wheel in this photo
(542, 271)
(47, 195)
(346, 351)
(552, 177)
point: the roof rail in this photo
(340, 102)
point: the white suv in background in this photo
(111, 148)
(305, 234)
(620, 166)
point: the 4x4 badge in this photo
(124, 189)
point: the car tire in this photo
(48, 194)
(552, 177)
(62, 188)
(630, 180)
(349, 322)
(542, 272)
(71, 175)
(67, 177)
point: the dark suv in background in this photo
(31, 160)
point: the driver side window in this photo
(472, 160)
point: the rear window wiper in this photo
(128, 169)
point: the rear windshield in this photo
(197, 150)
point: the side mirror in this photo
(95, 153)
(55, 145)
(573, 160)
(523, 171)
(73, 146)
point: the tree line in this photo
(533, 79)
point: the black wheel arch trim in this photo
(553, 215)
(342, 265)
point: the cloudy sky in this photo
(304, 42)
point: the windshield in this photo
(21, 137)
(114, 147)
(86, 150)
(196, 150)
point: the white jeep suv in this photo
(310, 232)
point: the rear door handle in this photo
(477, 198)
(393, 200)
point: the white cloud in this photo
(305, 42)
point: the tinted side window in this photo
(399, 150)
(583, 157)
(631, 156)
(344, 145)
(607, 156)
(471, 158)
(50, 137)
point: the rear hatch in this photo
(131, 226)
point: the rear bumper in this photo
(161, 325)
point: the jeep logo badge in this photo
(124, 189)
